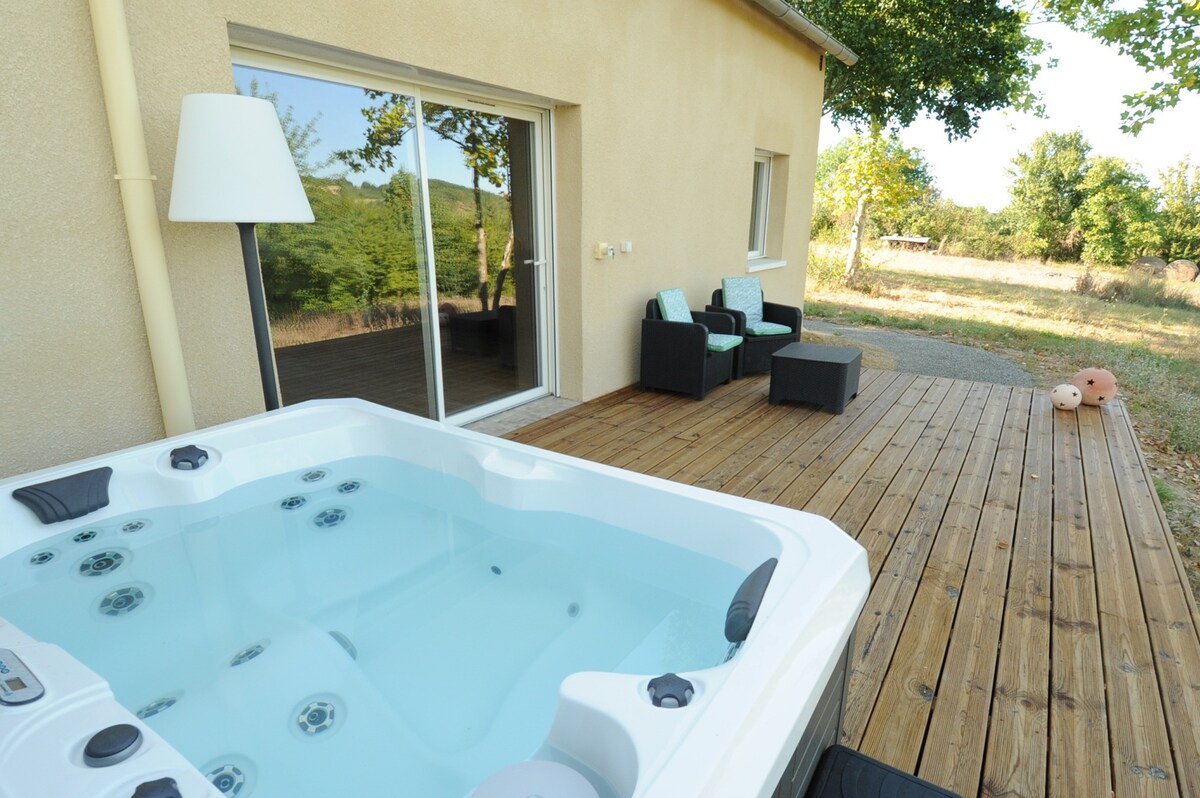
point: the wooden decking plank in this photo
(832, 441)
(912, 412)
(1017, 746)
(1167, 597)
(662, 430)
(543, 427)
(703, 436)
(881, 528)
(665, 424)
(1141, 753)
(1079, 762)
(655, 449)
(892, 594)
(895, 731)
(849, 456)
(748, 443)
(918, 441)
(1139, 498)
(737, 442)
(659, 411)
(954, 743)
(765, 478)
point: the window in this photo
(759, 205)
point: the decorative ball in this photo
(1065, 396)
(1098, 386)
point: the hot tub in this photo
(341, 599)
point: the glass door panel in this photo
(482, 201)
(347, 295)
(420, 285)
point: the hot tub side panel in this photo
(822, 731)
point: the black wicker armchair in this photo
(676, 355)
(754, 355)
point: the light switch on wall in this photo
(627, 246)
(602, 250)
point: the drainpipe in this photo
(141, 214)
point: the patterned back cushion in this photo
(744, 294)
(673, 305)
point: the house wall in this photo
(661, 107)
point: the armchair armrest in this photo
(721, 321)
(738, 317)
(783, 314)
(677, 336)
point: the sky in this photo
(340, 125)
(1082, 93)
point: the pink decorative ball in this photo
(1065, 396)
(1098, 386)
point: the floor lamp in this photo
(232, 164)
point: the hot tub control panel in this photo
(18, 685)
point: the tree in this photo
(1180, 213)
(1046, 190)
(877, 171)
(1116, 217)
(951, 59)
(482, 137)
(1161, 36)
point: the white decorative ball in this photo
(1066, 396)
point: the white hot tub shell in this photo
(756, 723)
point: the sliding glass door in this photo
(421, 285)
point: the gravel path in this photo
(918, 354)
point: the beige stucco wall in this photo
(663, 105)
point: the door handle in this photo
(534, 262)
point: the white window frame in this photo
(760, 205)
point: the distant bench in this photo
(915, 243)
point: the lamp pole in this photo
(258, 314)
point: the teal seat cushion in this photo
(744, 294)
(722, 343)
(673, 305)
(767, 328)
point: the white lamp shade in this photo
(232, 164)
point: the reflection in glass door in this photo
(480, 166)
(413, 291)
(347, 296)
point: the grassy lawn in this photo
(1030, 312)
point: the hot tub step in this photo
(845, 773)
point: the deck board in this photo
(1029, 630)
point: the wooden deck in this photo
(1029, 629)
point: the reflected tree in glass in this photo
(483, 139)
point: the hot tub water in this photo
(362, 627)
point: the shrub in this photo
(1136, 289)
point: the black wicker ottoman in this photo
(823, 375)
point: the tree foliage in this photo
(367, 243)
(482, 138)
(875, 171)
(1161, 36)
(1180, 215)
(1046, 190)
(1116, 218)
(951, 59)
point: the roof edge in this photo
(808, 29)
